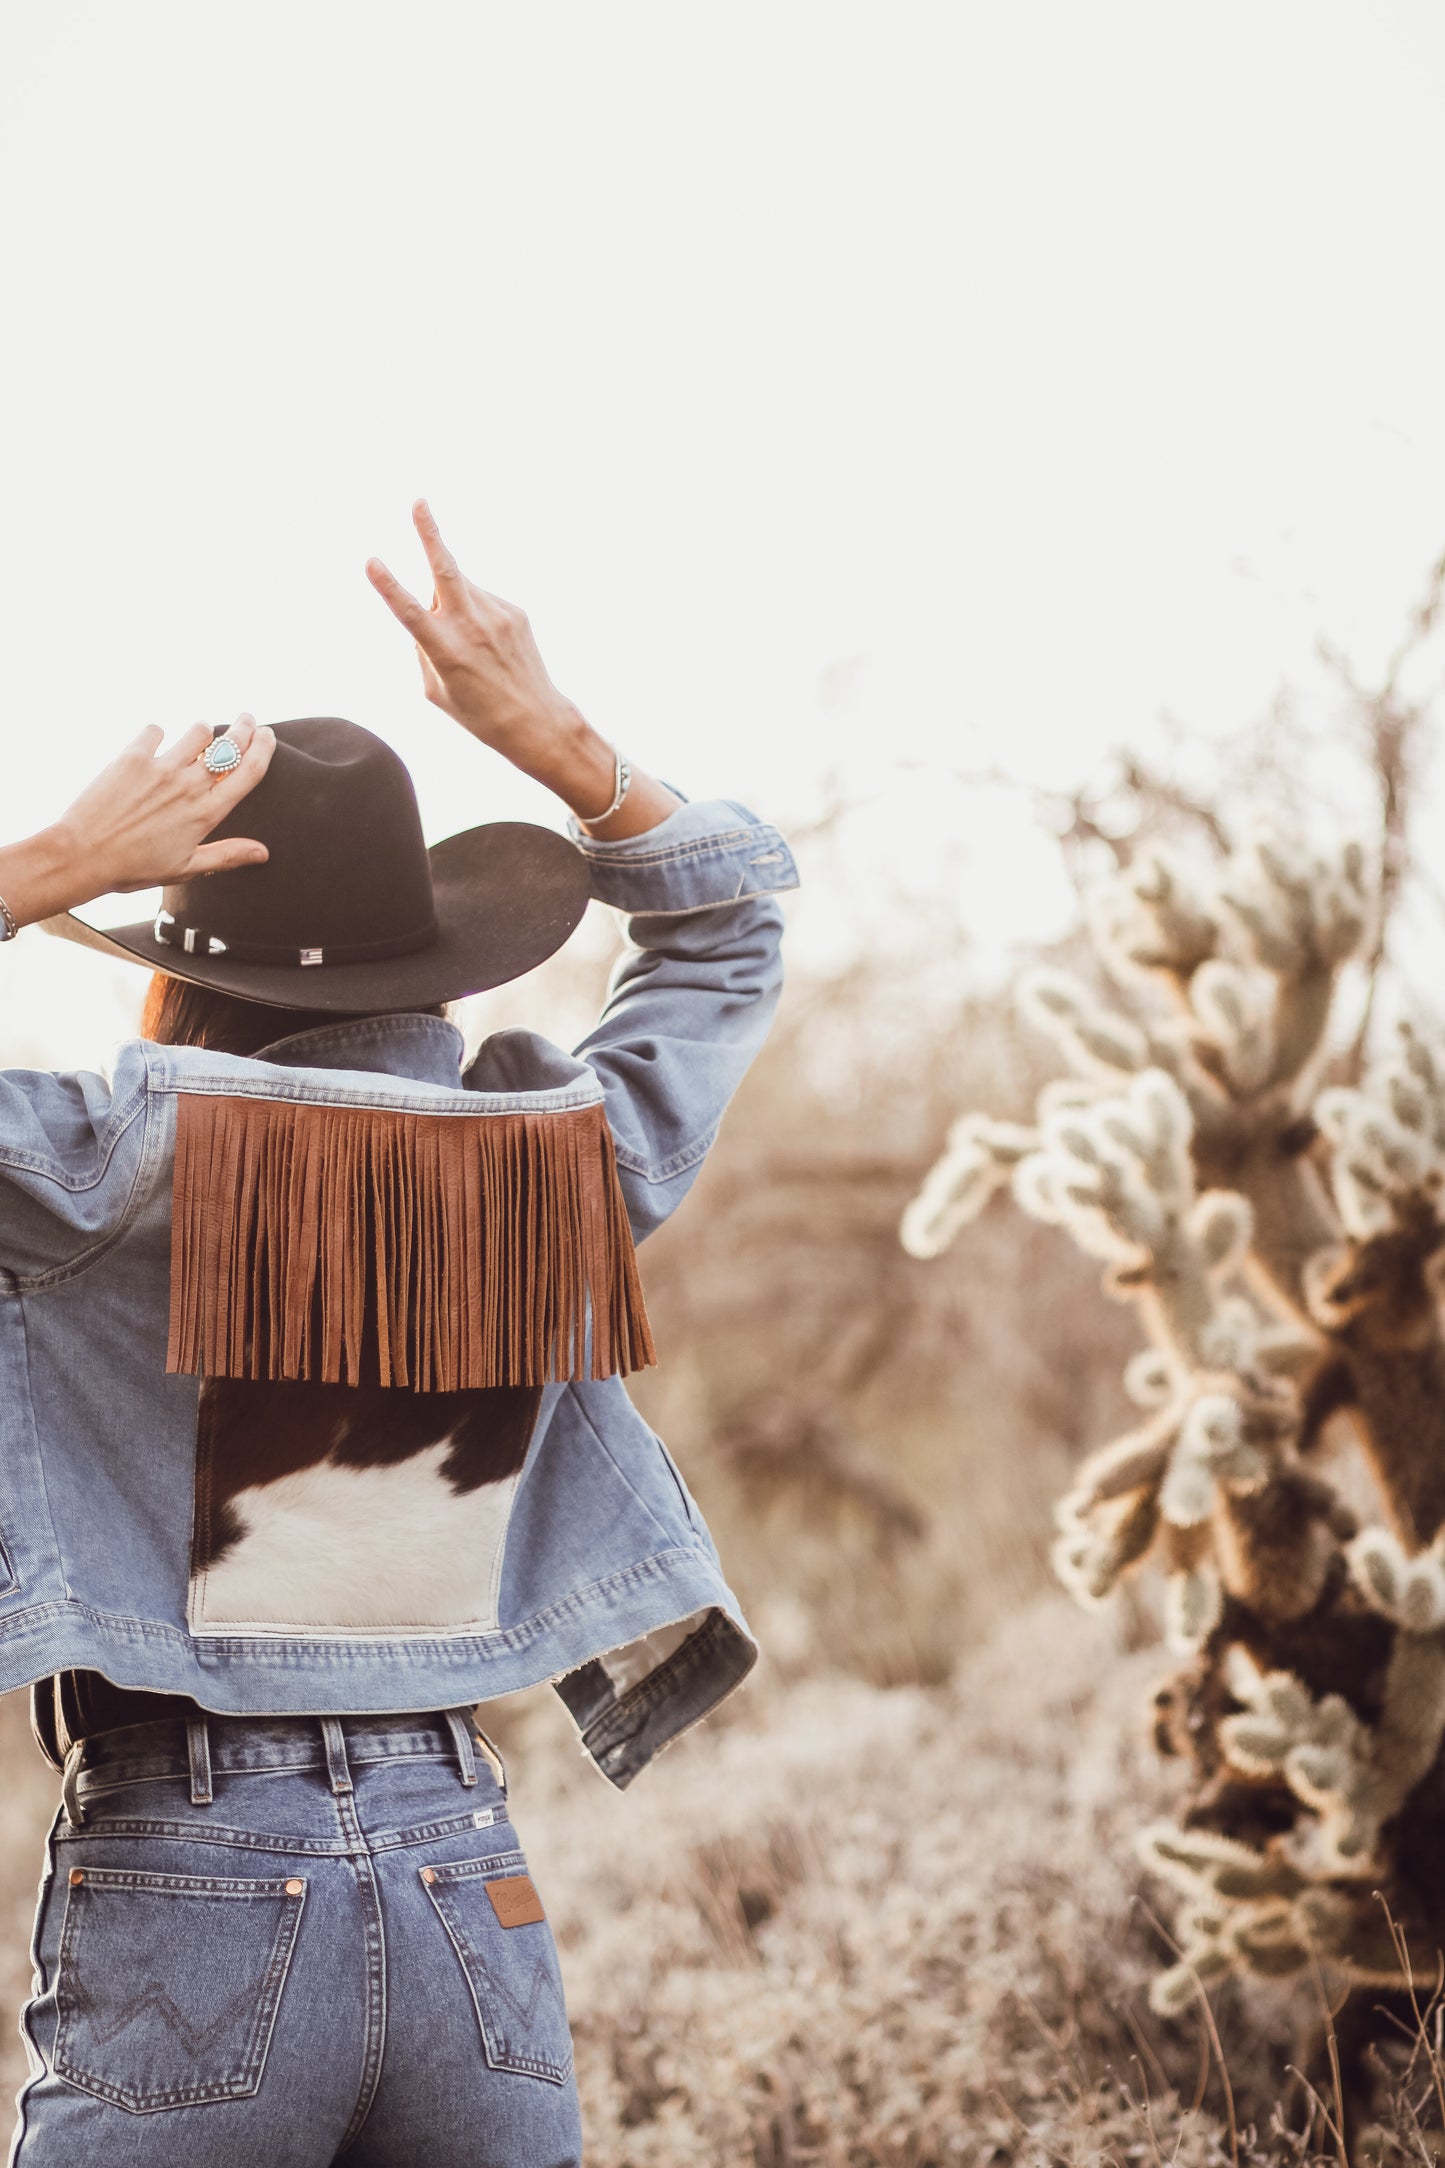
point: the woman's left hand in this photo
(141, 823)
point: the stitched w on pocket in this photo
(511, 1969)
(169, 1984)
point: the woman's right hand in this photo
(140, 824)
(481, 665)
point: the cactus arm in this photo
(1154, 920)
(1137, 1458)
(1329, 1388)
(1096, 1041)
(976, 1162)
(1408, 1736)
(1275, 1546)
(1376, 1299)
(1092, 1550)
(1293, 1221)
(1301, 1019)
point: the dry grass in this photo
(869, 1928)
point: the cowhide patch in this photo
(363, 1509)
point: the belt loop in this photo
(494, 1759)
(338, 1769)
(462, 1738)
(69, 1791)
(198, 1748)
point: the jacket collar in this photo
(424, 1049)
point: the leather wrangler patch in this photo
(515, 1901)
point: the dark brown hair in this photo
(176, 1013)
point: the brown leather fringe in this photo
(361, 1245)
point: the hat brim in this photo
(508, 895)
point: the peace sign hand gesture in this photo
(479, 661)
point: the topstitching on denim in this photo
(122, 1113)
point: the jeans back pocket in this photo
(492, 1914)
(169, 1984)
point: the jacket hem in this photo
(244, 1676)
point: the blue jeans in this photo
(293, 1940)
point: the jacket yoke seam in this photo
(141, 1186)
(117, 1122)
(450, 1099)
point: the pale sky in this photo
(834, 384)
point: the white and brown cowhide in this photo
(353, 1509)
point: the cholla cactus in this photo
(1277, 1243)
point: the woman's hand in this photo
(480, 664)
(479, 661)
(140, 824)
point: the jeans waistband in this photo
(211, 1746)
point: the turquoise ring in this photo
(221, 756)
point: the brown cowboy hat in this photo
(351, 911)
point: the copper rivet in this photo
(428, 1874)
(77, 1876)
(294, 1888)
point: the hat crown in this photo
(348, 877)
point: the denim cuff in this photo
(710, 851)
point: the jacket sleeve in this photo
(71, 1152)
(691, 998)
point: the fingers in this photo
(244, 732)
(445, 569)
(146, 740)
(186, 753)
(258, 747)
(222, 857)
(189, 746)
(405, 608)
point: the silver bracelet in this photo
(9, 923)
(621, 778)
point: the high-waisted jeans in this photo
(293, 1940)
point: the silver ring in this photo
(221, 756)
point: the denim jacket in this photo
(378, 1578)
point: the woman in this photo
(315, 1434)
